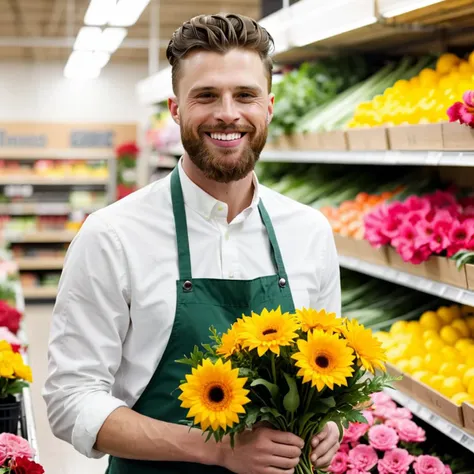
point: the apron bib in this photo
(201, 303)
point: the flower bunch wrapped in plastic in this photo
(435, 224)
(388, 442)
(16, 456)
(295, 371)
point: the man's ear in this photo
(271, 105)
(174, 109)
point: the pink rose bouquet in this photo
(16, 456)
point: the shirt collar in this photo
(206, 205)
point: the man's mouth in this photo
(225, 136)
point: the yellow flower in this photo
(214, 394)
(269, 330)
(367, 348)
(324, 359)
(5, 346)
(22, 371)
(311, 319)
(231, 340)
(6, 364)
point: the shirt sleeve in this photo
(89, 325)
(329, 295)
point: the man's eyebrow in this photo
(197, 90)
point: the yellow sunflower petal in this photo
(311, 319)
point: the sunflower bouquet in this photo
(296, 372)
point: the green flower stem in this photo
(274, 369)
(309, 398)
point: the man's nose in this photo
(227, 110)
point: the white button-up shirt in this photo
(117, 295)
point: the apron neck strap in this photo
(184, 256)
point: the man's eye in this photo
(245, 95)
(207, 95)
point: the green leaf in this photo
(251, 416)
(322, 405)
(291, 402)
(272, 411)
(355, 416)
(271, 387)
(304, 420)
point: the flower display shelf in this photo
(425, 285)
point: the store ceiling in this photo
(39, 29)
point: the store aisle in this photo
(56, 456)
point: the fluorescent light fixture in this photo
(391, 8)
(111, 39)
(101, 58)
(127, 12)
(88, 38)
(82, 65)
(99, 12)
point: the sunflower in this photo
(214, 394)
(367, 347)
(324, 359)
(269, 330)
(311, 319)
(231, 340)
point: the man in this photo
(148, 275)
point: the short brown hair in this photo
(219, 33)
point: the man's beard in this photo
(213, 163)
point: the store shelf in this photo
(45, 208)
(454, 432)
(67, 154)
(40, 236)
(431, 287)
(43, 263)
(52, 181)
(40, 293)
(422, 158)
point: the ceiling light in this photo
(391, 8)
(127, 12)
(111, 39)
(88, 38)
(99, 12)
(82, 65)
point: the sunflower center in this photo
(269, 331)
(322, 361)
(216, 394)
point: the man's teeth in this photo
(226, 136)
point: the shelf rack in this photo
(60, 236)
(449, 429)
(431, 287)
(40, 292)
(40, 263)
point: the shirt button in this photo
(220, 208)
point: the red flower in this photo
(9, 317)
(127, 149)
(25, 466)
(463, 112)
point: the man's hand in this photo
(325, 445)
(263, 451)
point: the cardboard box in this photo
(468, 415)
(367, 138)
(416, 137)
(365, 251)
(470, 276)
(404, 385)
(335, 140)
(344, 245)
(458, 137)
(444, 270)
(396, 261)
(437, 402)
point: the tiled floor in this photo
(56, 456)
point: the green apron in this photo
(201, 303)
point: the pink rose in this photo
(381, 398)
(12, 447)
(383, 411)
(396, 461)
(339, 463)
(410, 432)
(401, 414)
(392, 423)
(344, 448)
(357, 471)
(428, 465)
(383, 438)
(363, 458)
(447, 469)
(369, 417)
(354, 432)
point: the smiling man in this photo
(146, 277)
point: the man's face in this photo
(224, 111)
